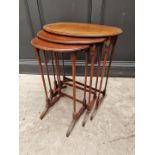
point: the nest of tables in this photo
(96, 43)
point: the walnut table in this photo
(95, 42)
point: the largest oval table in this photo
(84, 30)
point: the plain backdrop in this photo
(145, 77)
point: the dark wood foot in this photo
(104, 92)
(46, 109)
(71, 127)
(44, 113)
(97, 107)
(94, 113)
(75, 119)
(49, 103)
(89, 108)
(85, 118)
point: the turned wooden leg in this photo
(54, 72)
(93, 50)
(99, 53)
(57, 68)
(73, 58)
(44, 84)
(85, 75)
(114, 40)
(47, 72)
(42, 73)
(63, 65)
(98, 101)
(71, 127)
(50, 101)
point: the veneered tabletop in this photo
(82, 29)
(66, 39)
(50, 46)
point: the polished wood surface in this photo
(66, 39)
(82, 29)
(49, 46)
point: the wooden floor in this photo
(110, 133)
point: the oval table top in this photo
(66, 39)
(49, 46)
(82, 29)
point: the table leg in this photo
(90, 103)
(85, 75)
(73, 59)
(57, 68)
(50, 101)
(63, 65)
(99, 54)
(53, 68)
(61, 69)
(44, 84)
(98, 101)
(114, 40)
(47, 72)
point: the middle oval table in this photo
(94, 42)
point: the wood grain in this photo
(82, 29)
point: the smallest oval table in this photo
(54, 94)
(50, 46)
